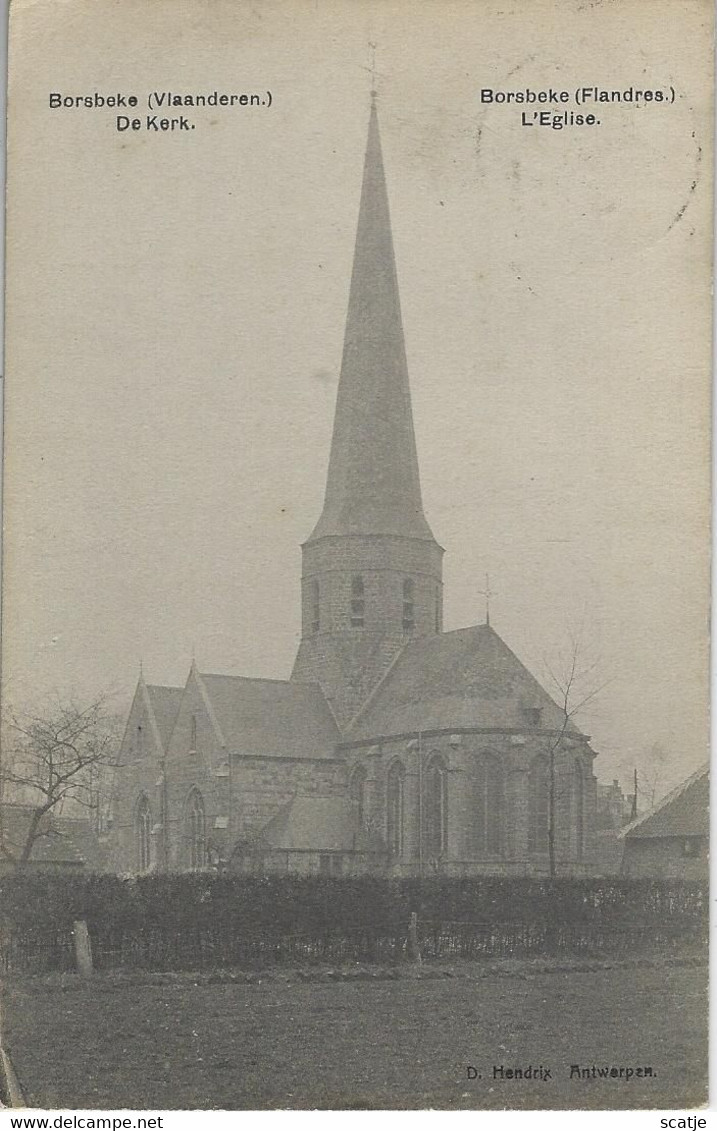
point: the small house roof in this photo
(682, 813)
(56, 844)
(79, 831)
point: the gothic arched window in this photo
(357, 793)
(489, 806)
(538, 806)
(143, 834)
(435, 807)
(394, 809)
(315, 607)
(579, 793)
(195, 831)
(193, 735)
(358, 606)
(409, 619)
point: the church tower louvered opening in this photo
(371, 577)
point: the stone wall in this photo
(140, 761)
(347, 665)
(346, 659)
(383, 563)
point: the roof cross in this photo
(487, 593)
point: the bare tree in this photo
(653, 765)
(575, 680)
(49, 760)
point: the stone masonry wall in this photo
(140, 761)
(383, 564)
(346, 659)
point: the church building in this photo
(395, 747)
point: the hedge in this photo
(282, 905)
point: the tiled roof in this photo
(79, 831)
(462, 679)
(165, 704)
(56, 845)
(684, 812)
(272, 717)
(325, 824)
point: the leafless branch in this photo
(49, 758)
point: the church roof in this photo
(164, 702)
(272, 717)
(458, 680)
(373, 484)
(325, 824)
(683, 812)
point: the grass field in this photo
(374, 1043)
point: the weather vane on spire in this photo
(487, 593)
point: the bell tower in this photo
(371, 578)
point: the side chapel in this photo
(395, 747)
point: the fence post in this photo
(10, 1091)
(414, 952)
(83, 948)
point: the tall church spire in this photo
(373, 483)
(371, 576)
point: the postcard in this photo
(356, 555)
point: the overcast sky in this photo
(176, 306)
